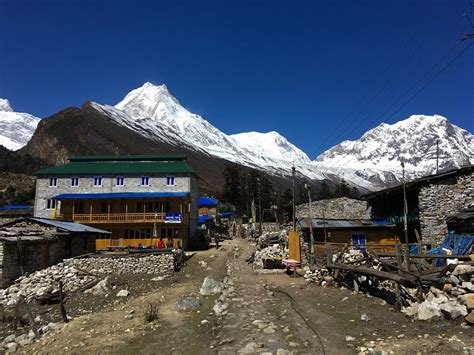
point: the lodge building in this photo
(138, 198)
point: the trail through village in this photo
(255, 313)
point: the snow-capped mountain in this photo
(151, 120)
(152, 111)
(377, 154)
(371, 162)
(16, 128)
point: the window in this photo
(119, 181)
(145, 181)
(53, 182)
(170, 181)
(74, 181)
(50, 204)
(97, 181)
(359, 238)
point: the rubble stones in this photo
(274, 251)
(453, 310)
(150, 264)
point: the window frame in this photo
(147, 180)
(93, 181)
(51, 179)
(51, 203)
(117, 181)
(170, 178)
(74, 178)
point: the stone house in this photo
(430, 201)
(138, 198)
(31, 244)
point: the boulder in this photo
(211, 286)
(453, 310)
(104, 286)
(123, 293)
(428, 310)
(470, 318)
(187, 304)
(467, 300)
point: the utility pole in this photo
(293, 170)
(437, 156)
(259, 205)
(405, 222)
(311, 239)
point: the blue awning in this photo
(15, 207)
(207, 201)
(120, 195)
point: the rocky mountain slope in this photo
(16, 128)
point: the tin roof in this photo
(69, 226)
(121, 164)
(319, 223)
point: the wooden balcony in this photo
(106, 218)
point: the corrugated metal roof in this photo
(118, 167)
(120, 195)
(69, 226)
(342, 223)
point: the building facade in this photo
(139, 199)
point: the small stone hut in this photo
(31, 244)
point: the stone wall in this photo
(335, 208)
(39, 255)
(441, 199)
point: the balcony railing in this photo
(118, 218)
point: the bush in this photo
(151, 313)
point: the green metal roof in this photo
(118, 167)
(148, 157)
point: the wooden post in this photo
(144, 210)
(108, 211)
(73, 210)
(126, 210)
(61, 303)
(90, 212)
(20, 254)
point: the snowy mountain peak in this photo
(5, 105)
(377, 154)
(16, 128)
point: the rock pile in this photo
(455, 300)
(269, 238)
(151, 264)
(319, 276)
(43, 283)
(274, 251)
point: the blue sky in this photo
(318, 72)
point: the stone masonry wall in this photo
(441, 199)
(335, 208)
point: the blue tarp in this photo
(381, 222)
(225, 214)
(204, 219)
(120, 195)
(459, 244)
(15, 207)
(207, 201)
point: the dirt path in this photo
(273, 313)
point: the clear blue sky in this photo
(317, 72)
